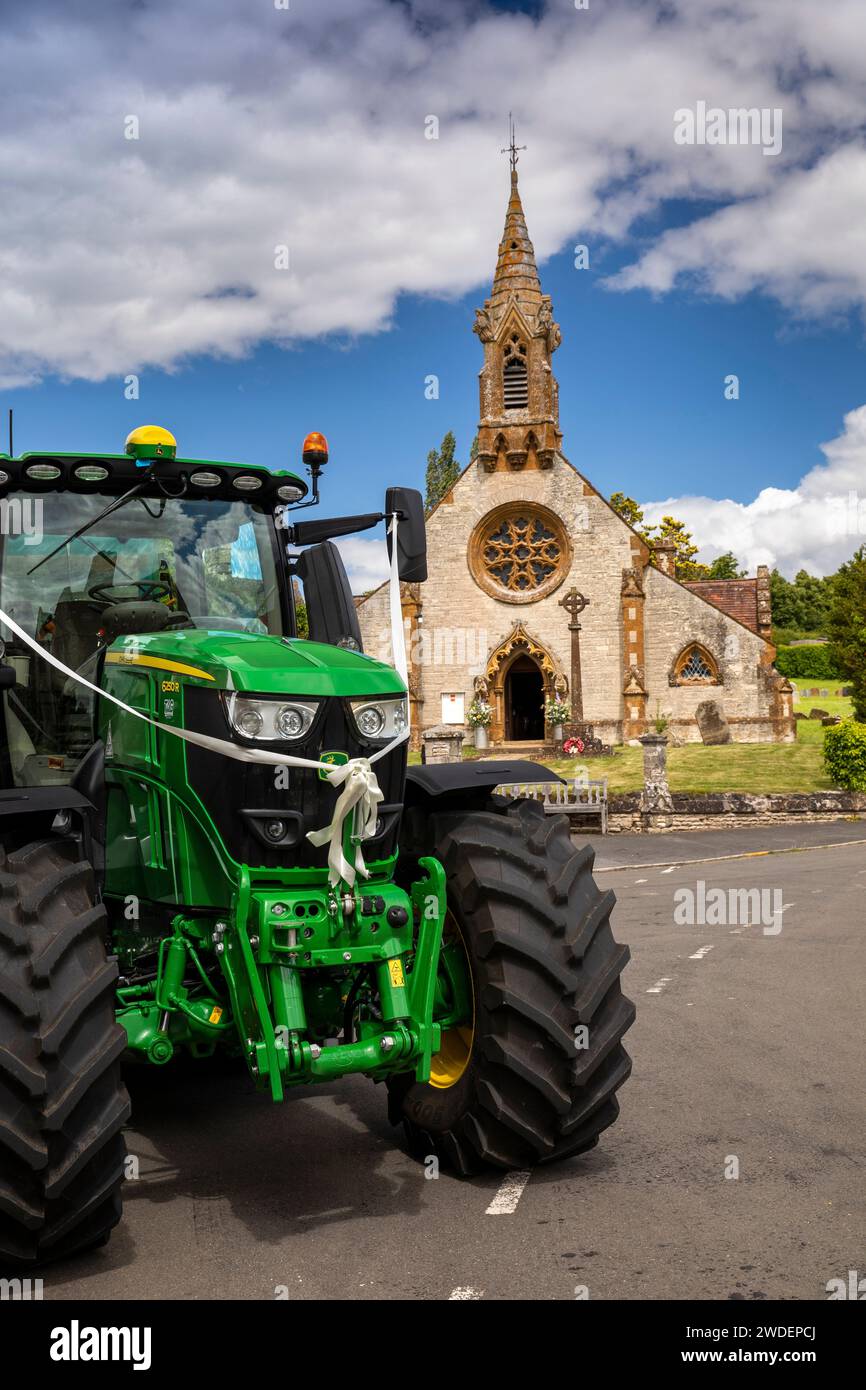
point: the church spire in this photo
(516, 271)
(519, 425)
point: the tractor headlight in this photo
(380, 719)
(271, 720)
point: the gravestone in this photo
(441, 744)
(712, 722)
(816, 713)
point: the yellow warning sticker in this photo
(215, 1014)
(397, 977)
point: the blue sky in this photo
(150, 249)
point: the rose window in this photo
(519, 552)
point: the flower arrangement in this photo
(573, 747)
(479, 715)
(557, 712)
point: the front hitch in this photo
(287, 945)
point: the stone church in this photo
(538, 589)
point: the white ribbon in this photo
(360, 798)
(361, 792)
(398, 632)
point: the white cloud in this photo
(366, 562)
(305, 126)
(815, 526)
(801, 242)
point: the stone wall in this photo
(735, 810)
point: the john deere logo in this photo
(333, 760)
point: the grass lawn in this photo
(731, 767)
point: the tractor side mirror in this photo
(331, 612)
(411, 533)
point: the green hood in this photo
(253, 662)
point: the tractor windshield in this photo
(211, 563)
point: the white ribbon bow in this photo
(360, 797)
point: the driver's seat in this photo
(76, 627)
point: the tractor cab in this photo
(98, 548)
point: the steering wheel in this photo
(150, 590)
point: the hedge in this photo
(845, 754)
(807, 663)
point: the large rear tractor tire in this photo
(531, 1074)
(62, 1100)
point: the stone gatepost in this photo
(442, 744)
(656, 803)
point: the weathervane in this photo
(511, 148)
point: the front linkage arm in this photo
(282, 940)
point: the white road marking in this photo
(699, 955)
(509, 1194)
(464, 1292)
(716, 858)
(671, 869)
(641, 880)
(660, 984)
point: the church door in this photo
(524, 702)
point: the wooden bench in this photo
(577, 799)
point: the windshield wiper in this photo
(94, 520)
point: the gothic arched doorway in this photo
(524, 701)
(521, 675)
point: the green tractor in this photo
(210, 845)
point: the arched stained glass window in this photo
(695, 666)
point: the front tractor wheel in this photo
(528, 995)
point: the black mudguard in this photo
(441, 786)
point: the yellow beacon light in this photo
(151, 442)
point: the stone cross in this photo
(574, 604)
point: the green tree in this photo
(443, 470)
(629, 510)
(846, 627)
(675, 532)
(802, 604)
(725, 566)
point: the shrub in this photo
(845, 754)
(807, 663)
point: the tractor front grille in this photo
(236, 794)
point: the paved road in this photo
(616, 851)
(751, 1050)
